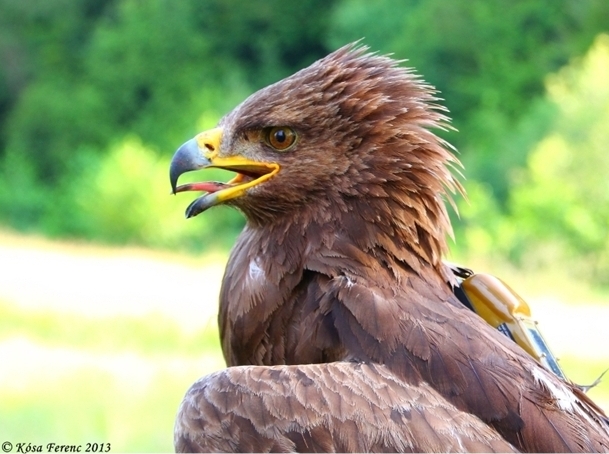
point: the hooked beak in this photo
(203, 152)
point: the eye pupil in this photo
(280, 136)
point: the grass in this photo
(73, 380)
(148, 334)
(95, 348)
(100, 344)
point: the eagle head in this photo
(350, 133)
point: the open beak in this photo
(203, 152)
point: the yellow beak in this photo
(204, 152)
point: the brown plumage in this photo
(336, 304)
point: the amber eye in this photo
(281, 137)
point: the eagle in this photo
(338, 318)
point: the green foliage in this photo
(96, 95)
(566, 184)
(98, 74)
(46, 42)
(481, 222)
(125, 198)
(143, 73)
(487, 58)
(270, 39)
(151, 64)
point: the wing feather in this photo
(237, 409)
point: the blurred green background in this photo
(108, 296)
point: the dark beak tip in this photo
(190, 213)
(198, 206)
(188, 157)
(175, 170)
(191, 210)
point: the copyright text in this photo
(8, 446)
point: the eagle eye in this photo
(280, 138)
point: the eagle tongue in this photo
(207, 186)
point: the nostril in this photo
(209, 141)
